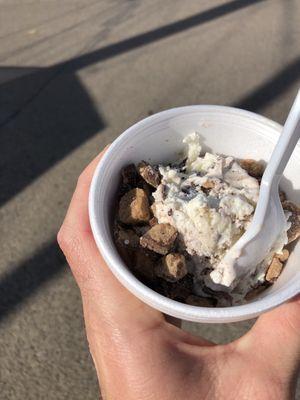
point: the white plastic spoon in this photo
(268, 226)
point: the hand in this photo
(139, 355)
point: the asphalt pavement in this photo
(74, 74)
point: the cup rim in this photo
(135, 286)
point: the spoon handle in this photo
(285, 146)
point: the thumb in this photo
(106, 302)
(276, 337)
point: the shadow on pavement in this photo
(60, 120)
(157, 34)
(270, 90)
(22, 282)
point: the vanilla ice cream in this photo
(210, 200)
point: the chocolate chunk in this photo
(276, 266)
(208, 184)
(294, 232)
(129, 175)
(253, 167)
(153, 221)
(172, 268)
(129, 179)
(149, 173)
(284, 256)
(274, 270)
(200, 301)
(170, 212)
(134, 207)
(159, 238)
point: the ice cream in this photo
(176, 222)
(210, 200)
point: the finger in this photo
(275, 337)
(81, 223)
(108, 306)
(102, 294)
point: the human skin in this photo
(138, 355)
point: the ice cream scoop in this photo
(268, 225)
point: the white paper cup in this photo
(158, 139)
